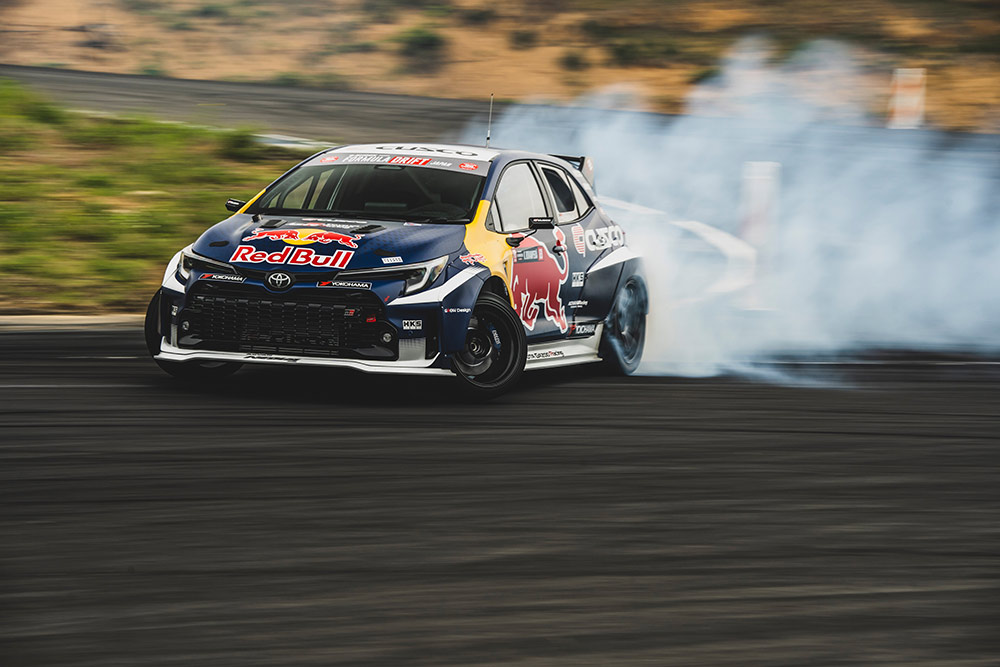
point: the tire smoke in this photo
(876, 239)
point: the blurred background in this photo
(807, 473)
(153, 187)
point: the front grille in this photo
(302, 322)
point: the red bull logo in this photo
(538, 277)
(304, 237)
(292, 256)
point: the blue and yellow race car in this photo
(408, 258)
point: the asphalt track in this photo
(290, 517)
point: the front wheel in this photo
(495, 348)
(625, 329)
(188, 370)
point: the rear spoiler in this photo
(582, 163)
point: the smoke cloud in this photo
(874, 238)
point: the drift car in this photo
(406, 258)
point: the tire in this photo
(188, 370)
(625, 328)
(495, 350)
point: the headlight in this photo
(189, 261)
(415, 277)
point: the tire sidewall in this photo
(499, 305)
(611, 349)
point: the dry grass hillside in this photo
(521, 50)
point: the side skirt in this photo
(564, 352)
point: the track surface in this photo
(292, 517)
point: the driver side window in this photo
(517, 199)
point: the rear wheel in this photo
(625, 329)
(188, 370)
(495, 348)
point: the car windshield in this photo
(382, 191)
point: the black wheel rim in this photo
(629, 321)
(490, 353)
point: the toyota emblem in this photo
(279, 280)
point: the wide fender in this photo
(606, 275)
(456, 311)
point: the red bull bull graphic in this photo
(537, 278)
(292, 256)
(304, 237)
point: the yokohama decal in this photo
(292, 257)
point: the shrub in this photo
(357, 47)
(422, 47)
(210, 11)
(573, 61)
(477, 16)
(523, 39)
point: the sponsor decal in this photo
(402, 159)
(472, 258)
(425, 149)
(346, 284)
(293, 256)
(578, 240)
(228, 277)
(329, 224)
(605, 237)
(270, 357)
(329, 158)
(411, 224)
(547, 354)
(413, 325)
(392, 260)
(304, 237)
(468, 166)
(458, 310)
(583, 330)
(577, 304)
(440, 163)
(578, 278)
(537, 276)
(375, 158)
(496, 337)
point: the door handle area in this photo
(558, 248)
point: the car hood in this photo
(306, 244)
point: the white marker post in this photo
(759, 216)
(906, 98)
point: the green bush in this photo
(210, 11)
(477, 16)
(356, 47)
(523, 39)
(241, 145)
(573, 61)
(422, 47)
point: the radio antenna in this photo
(489, 122)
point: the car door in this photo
(575, 216)
(539, 270)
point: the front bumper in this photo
(169, 352)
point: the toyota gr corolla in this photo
(415, 259)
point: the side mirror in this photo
(234, 205)
(541, 223)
